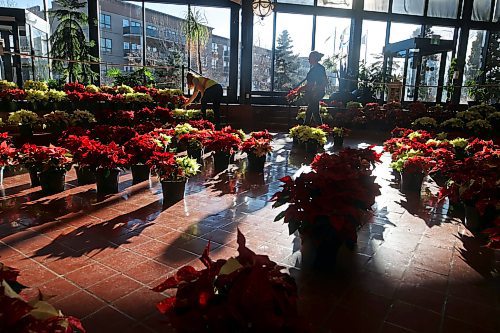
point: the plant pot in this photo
(338, 141)
(52, 181)
(35, 180)
(312, 147)
(26, 131)
(140, 173)
(85, 175)
(107, 181)
(173, 190)
(472, 218)
(194, 153)
(411, 182)
(439, 178)
(320, 246)
(221, 160)
(2, 168)
(256, 163)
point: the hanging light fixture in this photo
(262, 8)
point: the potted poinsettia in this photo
(413, 170)
(48, 163)
(106, 160)
(7, 154)
(257, 151)
(26, 120)
(338, 135)
(173, 173)
(327, 205)
(193, 142)
(223, 145)
(77, 144)
(56, 122)
(246, 293)
(139, 149)
(312, 138)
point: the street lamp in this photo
(262, 8)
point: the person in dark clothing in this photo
(211, 92)
(315, 88)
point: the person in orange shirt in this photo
(211, 92)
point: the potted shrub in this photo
(26, 120)
(223, 145)
(106, 160)
(327, 205)
(139, 149)
(257, 151)
(338, 136)
(7, 154)
(47, 166)
(310, 137)
(173, 173)
(56, 122)
(248, 293)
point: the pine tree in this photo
(174, 72)
(286, 63)
(493, 66)
(69, 42)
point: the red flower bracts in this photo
(117, 134)
(418, 165)
(220, 141)
(248, 293)
(258, 147)
(340, 189)
(74, 87)
(96, 155)
(44, 158)
(261, 135)
(7, 151)
(140, 148)
(20, 315)
(202, 124)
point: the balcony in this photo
(132, 30)
(132, 53)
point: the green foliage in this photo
(23, 117)
(140, 77)
(195, 28)
(68, 41)
(286, 63)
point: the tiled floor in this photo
(415, 269)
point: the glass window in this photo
(377, 5)
(445, 32)
(135, 24)
(413, 7)
(492, 69)
(473, 63)
(336, 3)
(106, 45)
(293, 45)
(261, 53)
(481, 10)
(40, 48)
(332, 39)
(126, 23)
(105, 21)
(443, 8)
(403, 31)
(126, 45)
(372, 41)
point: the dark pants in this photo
(212, 95)
(313, 109)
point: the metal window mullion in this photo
(273, 53)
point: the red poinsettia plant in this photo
(418, 165)
(117, 134)
(13, 95)
(340, 190)
(220, 141)
(74, 87)
(261, 135)
(294, 95)
(202, 124)
(493, 234)
(23, 315)
(193, 140)
(96, 155)
(258, 147)
(42, 158)
(168, 167)
(140, 148)
(7, 151)
(248, 293)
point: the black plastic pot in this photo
(107, 181)
(52, 181)
(256, 163)
(338, 141)
(221, 160)
(173, 190)
(411, 182)
(85, 175)
(35, 180)
(140, 173)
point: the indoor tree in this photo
(197, 34)
(68, 41)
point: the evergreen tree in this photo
(286, 63)
(174, 72)
(195, 28)
(493, 66)
(474, 61)
(69, 42)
